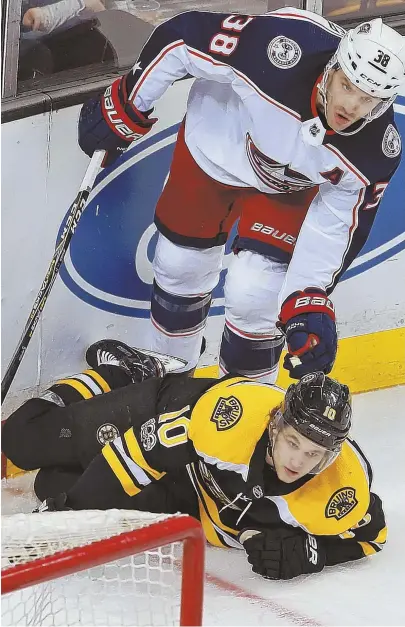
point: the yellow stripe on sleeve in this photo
(368, 549)
(382, 536)
(137, 456)
(209, 531)
(77, 385)
(98, 379)
(119, 471)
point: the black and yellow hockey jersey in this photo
(219, 437)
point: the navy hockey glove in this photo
(283, 553)
(308, 321)
(110, 122)
(53, 504)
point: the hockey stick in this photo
(69, 228)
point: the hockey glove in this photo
(283, 553)
(308, 321)
(53, 504)
(110, 122)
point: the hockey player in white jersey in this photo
(290, 129)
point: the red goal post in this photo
(172, 529)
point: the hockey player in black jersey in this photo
(290, 129)
(271, 473)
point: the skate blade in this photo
(170, 363)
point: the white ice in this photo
(367, 592)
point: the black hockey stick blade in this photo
(69, 228)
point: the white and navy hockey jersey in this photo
(251, 122)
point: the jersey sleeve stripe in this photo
(137, 456)
(348, 164)
(99, 380)
(116, 466)
(368, 548)
(152, 65)
(353, 227)
(135, 470)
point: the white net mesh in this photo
(141, 589)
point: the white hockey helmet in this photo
(373, 58)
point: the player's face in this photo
(294, 455)
(346, 103)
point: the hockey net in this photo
(114, 567)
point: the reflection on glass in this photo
(60, 35)
(144, 5)
(343, 9)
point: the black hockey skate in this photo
(140, 364)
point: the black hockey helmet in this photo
(319, 408)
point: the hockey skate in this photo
(140, 364)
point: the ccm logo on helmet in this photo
(316, 301)
(370, 80)
(113, 116)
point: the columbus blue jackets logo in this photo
(228, 411)
(341, 503)
(278, 176)
(283, 52)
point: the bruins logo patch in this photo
(227, 412)
(341, 503)
(107, 433)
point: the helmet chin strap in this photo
(378, 110)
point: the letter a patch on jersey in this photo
(341, 503)
(227, 412)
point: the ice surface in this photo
(368, 592)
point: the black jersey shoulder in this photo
(375, 150)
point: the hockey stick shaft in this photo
(69, 228)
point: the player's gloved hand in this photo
(283, 553)
(308, 321)
(53, 504)
(110, 122)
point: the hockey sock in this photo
(251, 355)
